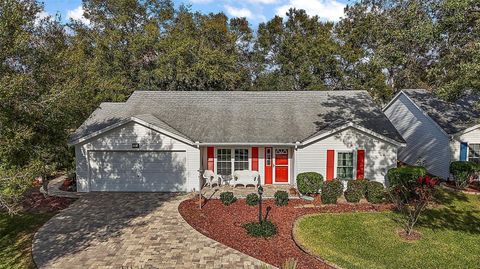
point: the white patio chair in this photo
(245, 177)
(211, 178)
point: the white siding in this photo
(472, 137)
(380, 156)
(427, 144)
(121, 138)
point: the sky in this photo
(256, 11)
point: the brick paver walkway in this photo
(129, 230)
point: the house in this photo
(162, 140)
(437, 132)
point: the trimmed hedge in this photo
(355, 190)
(405, 175)
(265, 228)
(330, 191)
(353, 196)
(309, 182)
(252, 199)
(463, 167)
(375, 192)
(338, 187)
(281, 198)
(358, 185)
(227, 198)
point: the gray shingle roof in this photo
(246, 117)
(451, 117)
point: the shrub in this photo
(463, 172)
(353, 196)
(405, 175)
(411, 200)
(252, 199)
(338, 187)
(330, 190)
(281, 198)
(261, 229)
(375, 192)
(227, 198)
(309, 182)
(358, 185)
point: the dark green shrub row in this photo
(331, 191)
(375, 192)
(281, 198)
(405, 175)
(352, 196)
(252, 199)
(309, 182)
(263, 229)
(464, 167)
(227, 198)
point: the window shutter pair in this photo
(331, 164)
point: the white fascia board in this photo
(123, 122)
(355, 126)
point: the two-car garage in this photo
(136, 157)
(139, 171)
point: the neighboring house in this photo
(437, 132)
(162, 140)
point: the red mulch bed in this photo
(35, 202)
(474, 187)
(224, 224)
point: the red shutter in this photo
(360, 164)
(210, 159)
(254, 158)
(330, 164)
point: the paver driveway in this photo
(129, 230)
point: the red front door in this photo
(281, 165)
(268, 165)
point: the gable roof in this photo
(244, 117)
(452, 117)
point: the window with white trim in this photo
(241, 159)
(224, 162)
(345, 165)
(474, 153)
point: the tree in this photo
(35, 116)
(457, 48)
(299, 53)
(390, 43)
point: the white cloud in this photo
(77, 14)
(330, 10)
(238, 12)
(201, 1)
(40, 16)
(262, 1)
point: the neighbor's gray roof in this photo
(451, 117)
(244, 117)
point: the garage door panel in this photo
(137, 171)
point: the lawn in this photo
(450, 237)
(16, 234)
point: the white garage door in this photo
(140, 171)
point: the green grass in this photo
(450, 237)
(16, 234)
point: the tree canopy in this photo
(54, 74)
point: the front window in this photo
(474, 153)
(345, 165)
(224, 162)
(241, 159)
(228, 159)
